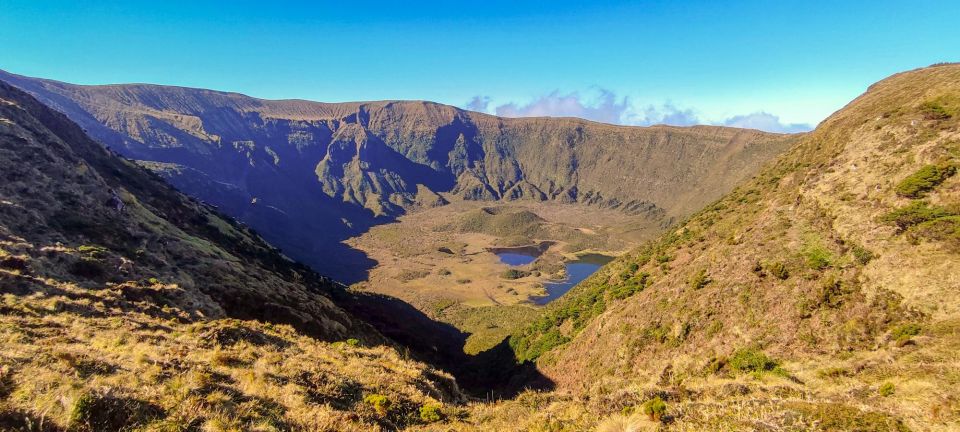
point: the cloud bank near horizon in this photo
(604, 106)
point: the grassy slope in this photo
(127, 321)
(800, 263)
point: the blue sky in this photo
(776, 65)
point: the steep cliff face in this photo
(832, 273)
(308, 175)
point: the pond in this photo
(518, 256)
(577, 271)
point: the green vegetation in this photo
(903, 333)
(590, 298)
(700, 279)
(835, 417)
(380, 403)
(861, 254)
(93, 412)
(93, 251)
(778, 270)
(514, 274)
(818, 257)
(943, 229)
(886, 389)
(915, 213)
(941, 108)
(924, 180)
(488, 326)
(631, 285)
(751, 360)
(431, 413)
(654, 408)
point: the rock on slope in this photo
(308, 175)
(122, 320)
(832, 277)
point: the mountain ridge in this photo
(365, 163)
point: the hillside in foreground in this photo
(128, 306)
(823, 293)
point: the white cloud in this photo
(667, 114)
(605, 106)
(766, 122)
(478, 103)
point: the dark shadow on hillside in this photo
(493, 373)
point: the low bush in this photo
(886, 389)
(778, 270)
(903, 333)
(514, 274)
(93, 251)
(945, 229)
(751, 360)
(380, 403)
(102, 412)
(924, 180)
(431, 413)
(914, 213)
(654, 408)
(700, 279)
(941, 108)
(818, 258)
(861, 254)
(630, 286)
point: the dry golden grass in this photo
(72, 361)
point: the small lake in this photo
(577, 271)
(518, 256)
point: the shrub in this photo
(431, 413)
(93, 251)
(779, 270)
(818, 258)
(914, 213)
(886, 389)
(941, 108)
(924, 180)
(861, 254)
(700, 279)
(353, 342)
(654, 408)
(834, 372)
(832, 292)
(751, 360)
(903, 333)
(103, 412)
(514, 274)
(630, 286)
(944, 229)
(380, 403)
